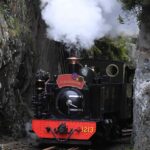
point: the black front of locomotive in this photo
(95, 92)
(67, 102)
(71, 102)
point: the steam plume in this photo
(80, 22)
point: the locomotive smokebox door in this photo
(70, 102)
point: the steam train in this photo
(92, 98)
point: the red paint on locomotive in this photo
(68, 80)
(76, 130)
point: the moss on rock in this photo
(13, 33)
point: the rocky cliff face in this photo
(24, 48)
(12, 50)
(142, 85)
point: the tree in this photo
(141, 123)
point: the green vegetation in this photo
(14, 27)
(112, 48)
(131, 4)
(13, 24)
(117, 48)
(15, 17)
(3, 8)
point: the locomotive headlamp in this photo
(84, 70)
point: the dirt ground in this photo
(22, 144)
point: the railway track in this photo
(24, 145)
(121, 145)
(58, 148)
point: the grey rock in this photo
(142, 88)
(24, 49)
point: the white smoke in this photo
(80, 22)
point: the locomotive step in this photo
(126, 132)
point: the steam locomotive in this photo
(92, 98)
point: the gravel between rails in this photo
(22, 144)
